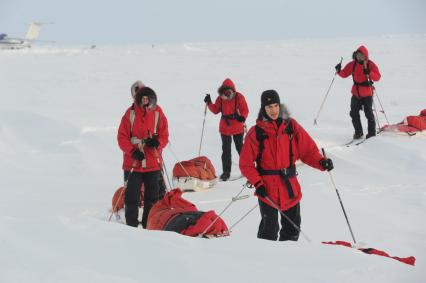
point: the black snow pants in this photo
(152, 194)
(226, 150)
(269, 226)
(356, 105)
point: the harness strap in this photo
(364, 83)
(156, 116)
(230, 116)
(285, 173)
(132, 118)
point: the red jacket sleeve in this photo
(248, 157)
(163, 131)
(242, 107)
(123, 135)
(216, 107)
(374, 72)
(347, 70)
(308, 150)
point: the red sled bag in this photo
(194, 175)
(173, 213)
(418, 122)
(410, 125)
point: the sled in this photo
(197, 174)
(173, 213)
(411, 125)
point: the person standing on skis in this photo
(364, 72)
(233, 107)
(268, 159)
(142, 135)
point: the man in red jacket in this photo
(363, 72)
(267, 160)
(142, 135)
(233, 107)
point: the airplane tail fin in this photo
(33, 31)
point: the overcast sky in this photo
(169, 21)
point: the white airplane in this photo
(18, 43)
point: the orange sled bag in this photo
(194, 175)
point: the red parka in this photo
(276, 156)
(359, 76)
(236, 105)
(143, 128)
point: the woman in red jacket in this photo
(363, 72)
(142, 135)
(267, 160)
(234, 109)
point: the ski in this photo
(354, 141)
(360, 142)
(349, 143)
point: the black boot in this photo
(225, 176)
(358, 136)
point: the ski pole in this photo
(121, 194)
(340, 200)
(328, 91)
(159, 161)
(167, 174)
(237, 197)
(373, 91)
(381, 106)
(274, 205)
(202, 130)
(244, 216)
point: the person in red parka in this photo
(233, 107)
(133, 90)
(267, 160)
(142, 135)
(363, 72)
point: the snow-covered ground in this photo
(60, 163)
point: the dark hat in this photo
(269, 97)
(150, 93)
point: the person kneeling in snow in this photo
(234, 109)
(267, 160)
(142, 135)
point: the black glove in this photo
(338, 67)
(239, 118)
(261, 191)
(138, 155)
(208, 99)
(152, 142)
(326, 164)
(366, 71)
